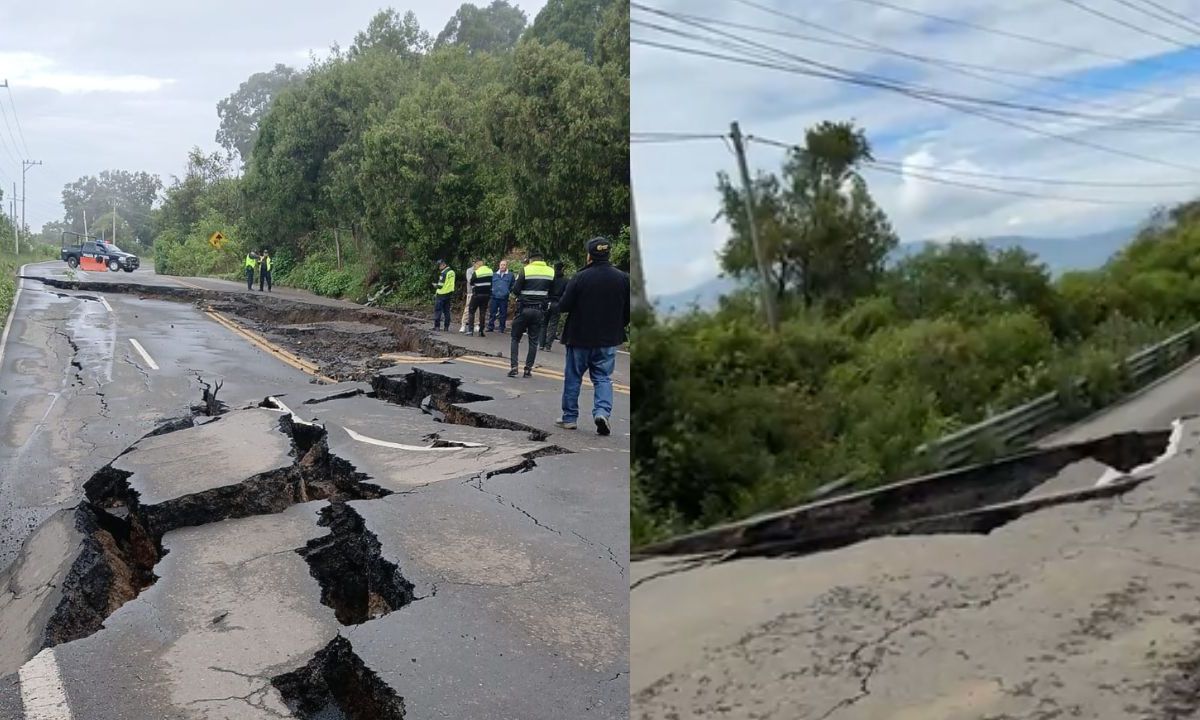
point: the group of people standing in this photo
(595, 301)
(260, 261)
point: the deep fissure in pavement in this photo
(122, 538)
(337, 685)
(313, 330)
(356, 580)
(441, 396)
(975, 499)
(114, 565)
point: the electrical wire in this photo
(1009, 34)
(1173, 13)
(908, 172)
(875, 48)
(1115, 122)
(959, 107)
(17, 118)
(1125, 24)
(958, 68)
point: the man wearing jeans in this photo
(502, 283)
(596, 302)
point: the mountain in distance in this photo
(1084, 252)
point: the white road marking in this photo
(104, 302)
(288, 411)
(415, 448)
(145, 355)
(12, 312)
(42, 690)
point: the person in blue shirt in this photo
(502, 283)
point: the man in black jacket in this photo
(597, 305)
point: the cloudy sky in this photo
(132, 84)
(1147, 74)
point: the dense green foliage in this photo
(731, 419)
(10, 265)
(491, 141)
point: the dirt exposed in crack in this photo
(442, 397)
(337, 685)
(123, 538)
(975, 499)
(114, 565)
(356, 580)
(345, 342)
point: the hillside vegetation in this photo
(497, 137)
(872, 360)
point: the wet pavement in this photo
(1086, 609)
(316, 551)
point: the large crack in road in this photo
(156, 516)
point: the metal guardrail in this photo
(1013, 428)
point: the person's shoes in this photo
(566, 424)
(528, 373)
(602, 425)
(462, 329)
(512, 373)
(492, 328)
(481, 334)
(471, 334)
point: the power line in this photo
(958, 68)
(825, 70)
(1168, 11)
(860, 45)
(16, 117)
(8, 126)
(908, 172)
(1125, 24)
(1009, 34)
(1066, 182)
(919, 96)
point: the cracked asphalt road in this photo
(519, 569)
(1083, 610)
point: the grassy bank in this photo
(9, 266)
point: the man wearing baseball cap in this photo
(596, 303)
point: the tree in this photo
(822, 233)
(242, 112)
(390, 32)
(133, 192)
(493, 28)
(574, 22)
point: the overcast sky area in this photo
(1146, 77)
(133, 84)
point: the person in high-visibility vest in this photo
(443, 289)
(532, 289)
(250, 263)
(481, 295)
(264, 273)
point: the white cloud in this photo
(30, 70)
(675, 92)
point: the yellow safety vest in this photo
(249, 261)
(447, 282)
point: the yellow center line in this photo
(499, 364)
(268, 346)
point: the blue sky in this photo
(675, 183)
(133, 84)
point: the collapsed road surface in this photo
(1059, 583)
(418, 541)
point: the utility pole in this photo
(85, 233)
(16, 238)
(640, 302)
(114, 239)
(767, 295)
(25, 165)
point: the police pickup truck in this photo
(100, 251)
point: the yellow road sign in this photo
(216, 240)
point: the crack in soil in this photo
(336, 683)
(442, 396)
(355, 579)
